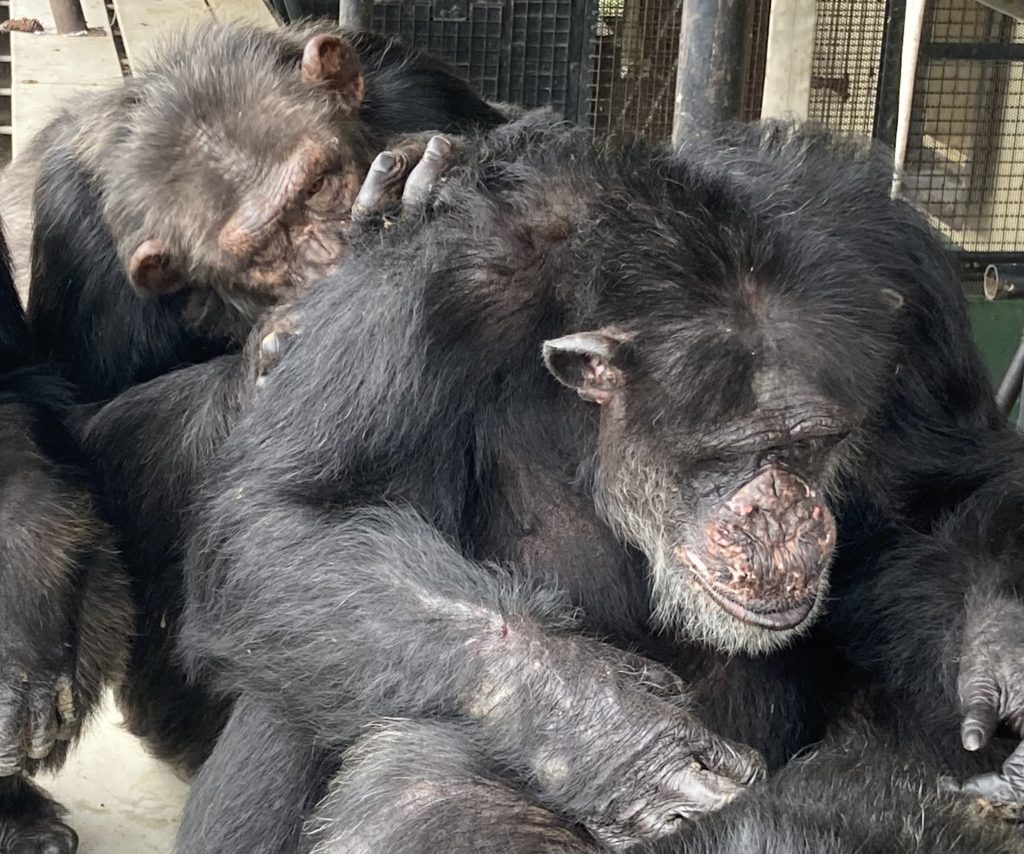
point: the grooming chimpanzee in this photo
(172, 211)
(64, 611)
(779, 415)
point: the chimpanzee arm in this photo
(314, 584)
(346, 616)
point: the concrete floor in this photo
(120, 800)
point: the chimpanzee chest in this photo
(528, 517)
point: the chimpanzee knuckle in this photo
(12, 741)
(69, 718)
(977, 685)
(44, 733)
(737, 762)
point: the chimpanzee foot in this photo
(30, 821)
(400, 180)
(276, 336)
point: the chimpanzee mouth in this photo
(774, 617)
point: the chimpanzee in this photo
(217, 183)
(64, 608)
(782, 477)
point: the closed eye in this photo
(316, 186)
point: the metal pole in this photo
(1009, 388)
(355, 14)
(709, 82)
(68, 16)
(912, 28)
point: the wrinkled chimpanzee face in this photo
(251, 179)
(723, 430)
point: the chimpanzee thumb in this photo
(979, 704)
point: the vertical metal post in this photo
(355, 14)
(68, 16)
(912, 31)
(709, 83)
(888, 97)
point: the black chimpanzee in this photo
(782, 477)
(64, 608)
(172, 211)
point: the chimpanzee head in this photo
(240, 158)
(737, 359)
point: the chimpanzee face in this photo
(723, 431)
(256, 177)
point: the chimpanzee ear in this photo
(150, 270)
(585, 361)
(333, 61)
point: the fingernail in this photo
(972, 740)
(438, 146)
(384, 162)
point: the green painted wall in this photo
(997, 329)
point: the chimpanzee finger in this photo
(12, 731)
(698, 791)
(68, 719)
(380, 192)
(435, 162)
(1004, 790)
(979, 703)
(42, 723)
(733, 761)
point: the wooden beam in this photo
(48, 70)
(249, 11)
(145, 23)
(787, 74)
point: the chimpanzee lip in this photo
(780, 619)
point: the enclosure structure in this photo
(41, 69)
(612, 66)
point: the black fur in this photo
(413, 432)
(64, 610)
(148, 448)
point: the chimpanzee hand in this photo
(991, 687)
(664, 768)
(400, 180)
(37, 701)
(605, 738)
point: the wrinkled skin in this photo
(991, 690)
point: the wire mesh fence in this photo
(965, 162)
(520, 51)
(848, 39)
(634, 58)
(965, 158)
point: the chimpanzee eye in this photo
(316, 186)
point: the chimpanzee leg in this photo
(416, 786)
(64, 620)
(252, 794)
